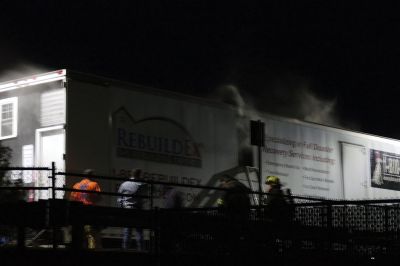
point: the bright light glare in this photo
(33, 80)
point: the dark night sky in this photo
(339, 52)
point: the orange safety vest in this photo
(86, 198)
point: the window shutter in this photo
(7, 119)
(52, 109)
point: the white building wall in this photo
(92, 141)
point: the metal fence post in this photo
(52, 204)
(151, 195)
(53, 178)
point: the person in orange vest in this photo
(92, 233)
(89, 185)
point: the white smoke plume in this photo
(14, 65)
(303, 105)
(290, 102)
(318, 111)
(21, 70)
(299, 103)
(230, 94)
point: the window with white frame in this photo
(8, 117)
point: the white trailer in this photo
(321, 161)
(82, 121)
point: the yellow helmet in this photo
(272, 180)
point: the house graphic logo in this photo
(156, 139)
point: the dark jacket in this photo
(276, 206)
(236, 199)
(173, 199)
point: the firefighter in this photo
(236, 199)
(276, 209)
(235, 205)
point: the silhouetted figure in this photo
(132, 200)
(235, 203)
(290, 201)
(170, 232)
(173, 199)
(276, 207)
(235, 199)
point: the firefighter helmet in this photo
(272, 180)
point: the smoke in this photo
(318, 111)
(14, 65)
(295, 99)
(291, 101)
(20, 70)
(244, 113)
(298, 102)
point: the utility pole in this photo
(257, 129)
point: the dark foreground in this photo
(46, 257)
(328, 233)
